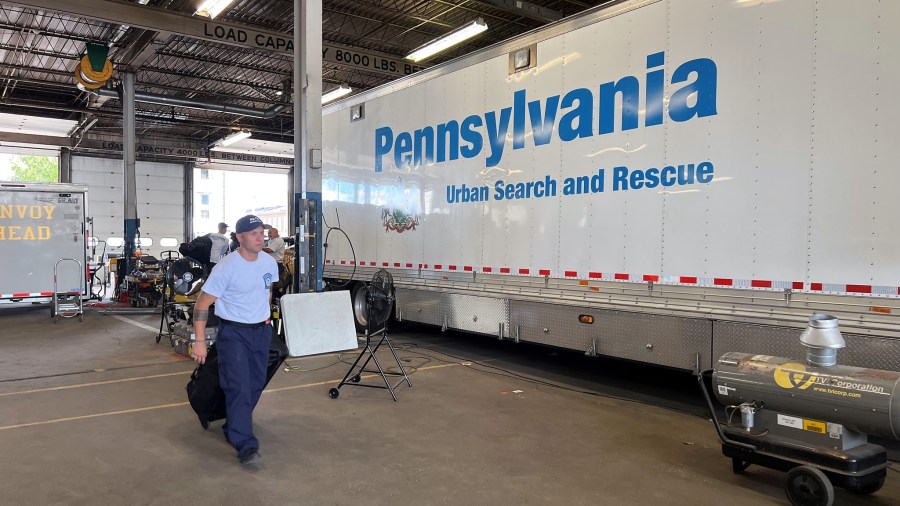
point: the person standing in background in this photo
(275, 248)
(220, 245)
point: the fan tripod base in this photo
(354, 376)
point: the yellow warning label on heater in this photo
(814, 426)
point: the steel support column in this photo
(128, 153)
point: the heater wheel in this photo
(808, 486)
(871, 488)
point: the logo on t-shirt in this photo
(267, 279)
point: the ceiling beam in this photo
(525, 9)
(161, 20)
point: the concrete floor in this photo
(95, 412)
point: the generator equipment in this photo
(811, 417)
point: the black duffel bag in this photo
(207, 398)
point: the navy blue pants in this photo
(243, 359)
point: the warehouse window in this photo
(29, 168)
(204, 173)
(204, 200)
(204, 213)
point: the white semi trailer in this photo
(40, 225)
(662, 181)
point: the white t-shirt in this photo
(219, 248)
(277, 247)
(242, 287)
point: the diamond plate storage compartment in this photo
(861, 351)
(662, 340)
(462, 312)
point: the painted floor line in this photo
(136, 324)
(96, 383)
(179, 404)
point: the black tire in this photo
(738, 466)
(334, 393)
(808, 486)
(358, 303)
(871, 488)
(356, 379)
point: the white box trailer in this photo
(39, 225)
(691, 177)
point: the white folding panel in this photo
(160, 198)
(316, 323)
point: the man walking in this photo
(219, 245)
(240, 286)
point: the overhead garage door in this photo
(160, 198)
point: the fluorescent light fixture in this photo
(336, 93)
(212, 8)
(451, 39)
(233, 137)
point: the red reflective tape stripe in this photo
(46, 294)
(343, 262)
(524, 271)
(21, 295)
(352, 262)
(544, 272)
(688, 279)
(396, 264)
(384, 264)
(651, 277)
(723, 281)
(859, 288)
(467, 268)
(486, 269)
(621, 277)
(438, 266)
(425, 266)
(797, 285)
(595, 275)
(571, 274)
(761, 283)
(452, 267)
(409, 266)
(504, 270)
(815, 286)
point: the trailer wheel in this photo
(871, 488)
(358, 300)
(738, 466)
(334, 393)
(808, 486)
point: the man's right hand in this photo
(198, 352)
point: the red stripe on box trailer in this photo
(621, 276)
(651, 277)
(396, 264)
(467, 268)
(688, 279)
(544, 272)
(21, 295)
(352, 262)
(859, 288)
(524, 271)
(571, 274)
(343, 262)
(409, 266)
(815, 286)
(595, 275)
(384, 264)
(797, 285)
(723, 281)
(761, 283)
(486, 269)
(452, 267)
(437, 267)
(46, 294)
(504, 270)
(425, 266)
